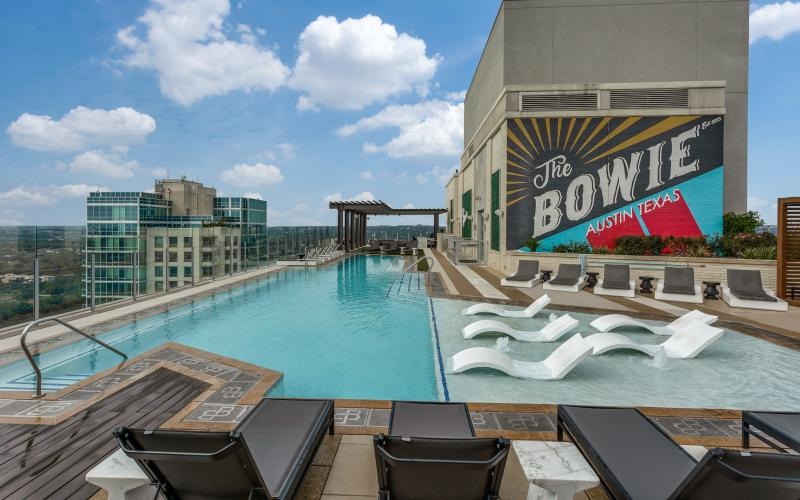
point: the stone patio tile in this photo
(326, 452)
(690, 426)
(230, 393)
(378, 418)
(353, 472)
(351, 416)
(531, 422)
(484, 420)
(209, 412)
(16, 407)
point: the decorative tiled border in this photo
(234, 387)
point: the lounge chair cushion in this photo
(568, 274)
(679, 280)
(633, 452)
(280, 435)
(617, 277)
(745, 284)
(786, 425)
(526, 271)
(441, 420)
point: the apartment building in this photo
(589, 120)
(139, 242)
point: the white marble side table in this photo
(121, 477)
(546, 470)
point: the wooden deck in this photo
(51, 461)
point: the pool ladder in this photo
(36, 370)
(401, 275)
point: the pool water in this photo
(356, 329)
(736, 372)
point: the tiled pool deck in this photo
(344, 466)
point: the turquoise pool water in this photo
(737, 372)
(339, 331)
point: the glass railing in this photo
(46, 270)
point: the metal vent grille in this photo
(649, 98)
(548, 102)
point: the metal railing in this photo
(32, 361)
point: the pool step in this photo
(54, 383)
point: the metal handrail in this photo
(28, 354)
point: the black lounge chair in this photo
(264, 457)
(616, 281)
(431, 453)
(527, 274)
(679, 280)
(745, 284)
(636, 459)
(567, 279)
(781, 426)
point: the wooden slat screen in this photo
(789, 250)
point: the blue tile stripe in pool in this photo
(439, 352)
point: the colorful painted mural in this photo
(596, 179)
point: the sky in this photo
(297, 103)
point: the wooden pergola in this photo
(352, 221)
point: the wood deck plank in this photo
(52, 461)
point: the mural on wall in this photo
(595, 179)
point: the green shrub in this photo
(532, 243)
(572, 247)
(733, 245)
(765, 253)
(640, 245)
(601, 250)
(746, 223)
(422, 265)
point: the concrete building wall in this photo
(487, 83)
(552, 42)
(187, 197)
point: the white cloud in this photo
(159, 172)
(81, 190)
(409, 205)
(185, 44)
(367, 175)
(81, 127)
(283, 150)
(106, 164)
(298, 215)
(755, 203)
(357, 62)
(43, 196)
(456, 96)
(25, 196)
(255, 196)
(257, 174)
(428, 128)
(421, 178)
(442, 175)
(774, 21)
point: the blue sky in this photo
(296, 102)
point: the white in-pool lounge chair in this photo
(686, 343)
(566, 357)
(678, 285)
(568, 279)
(528, 312)
(527, 275)
(616, 281)
(613, 321)
(744, 289)
(550, 333)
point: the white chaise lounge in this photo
(528, 312)
(566, 357)
(613, 321)
(568, 279)
(616, 281)
(553, 331)
(744, 289)
(686, 343)
(678, 285)
(527, 275)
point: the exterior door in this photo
(481, 236)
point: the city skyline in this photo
(295, 104)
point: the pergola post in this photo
(435, 227)
(346, 228)
(364, 231)
(339, 228)
(349, 219)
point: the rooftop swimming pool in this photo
(353, 329)
(359, 329)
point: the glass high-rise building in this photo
(140, 242)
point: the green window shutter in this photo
(466, 206)
(495, 243)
